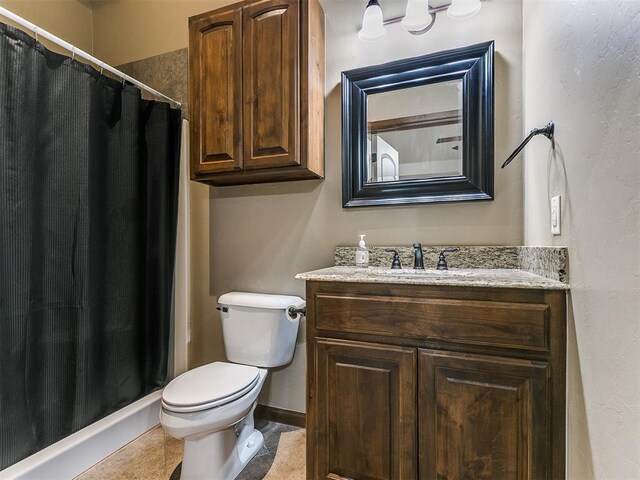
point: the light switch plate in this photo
(555, 215)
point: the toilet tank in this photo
(257, 328)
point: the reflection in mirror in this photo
(415, 133)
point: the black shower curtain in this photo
(88, 208)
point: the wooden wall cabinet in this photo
(457, 402)
(256, 92)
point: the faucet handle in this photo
(442, 261)
(395, 263)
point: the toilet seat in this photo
(209, 386)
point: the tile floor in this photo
(152, 456)
(157, 456)
(282, 456)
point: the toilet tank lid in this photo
(260, 300)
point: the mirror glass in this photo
(415, 133)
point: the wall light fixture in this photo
(419, 17)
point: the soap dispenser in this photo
(362, 253)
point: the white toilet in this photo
(211, 407)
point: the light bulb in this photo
(416, 16)
(372, 23)
(463, 8)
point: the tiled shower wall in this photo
(167, 73)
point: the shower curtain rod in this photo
(80, 53)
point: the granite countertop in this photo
(463, 277)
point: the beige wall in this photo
(582, 69)
(70, 20)
(129, 30)
(256, 238)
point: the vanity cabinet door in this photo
(483, 417)
(215, 88)
(366, 411)
(271, 72)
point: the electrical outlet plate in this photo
(555, 215)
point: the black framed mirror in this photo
(419, 130)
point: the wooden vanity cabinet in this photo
(256, 89)
(457, 402)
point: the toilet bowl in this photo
(211, 407)
(218, 432)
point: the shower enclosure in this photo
(88, 208)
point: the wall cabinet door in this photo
(271, 72)
(365, 411)
(216, 92)
(483, 417)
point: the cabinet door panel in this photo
(271, 72)
(482, 417)
(216, 92)
(366, 411)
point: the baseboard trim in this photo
(280, 415)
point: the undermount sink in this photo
(424, 273)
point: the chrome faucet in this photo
(418, 262)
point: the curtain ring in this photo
(73, 52)
(123, 80)
(101, 67)
(35, 30)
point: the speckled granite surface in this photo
(466, 257)
(478, 277)
(167, 73)
(548, 262)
